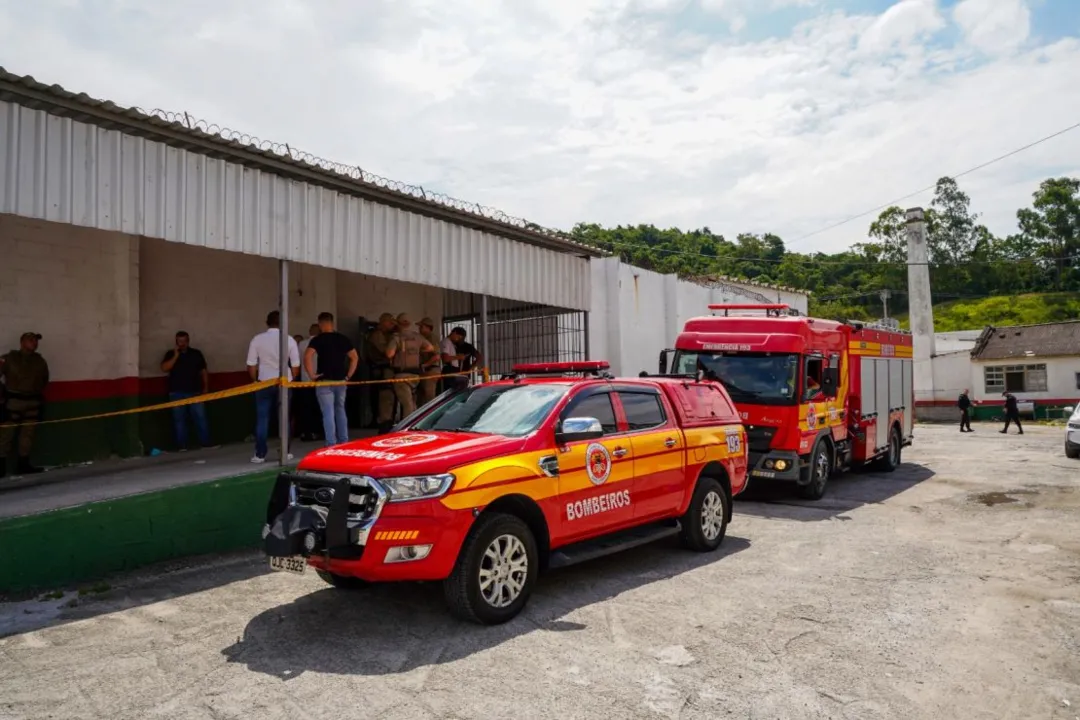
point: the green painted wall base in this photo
(85, 543)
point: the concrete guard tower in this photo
(920, 304)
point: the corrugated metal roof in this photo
(68, 171)
(1060, 339)
(182, 131)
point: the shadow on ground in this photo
(844, 493)
(152, 584)
(389, 629)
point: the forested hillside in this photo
(967, 261)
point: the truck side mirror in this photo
(576, 429)
(664, 361)
(830, 382)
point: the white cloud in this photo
(994, 26)
(591, 110)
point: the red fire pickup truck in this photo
(489, 485)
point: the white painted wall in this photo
(635, 313)
(362, 295)
(952, 375)
(1060, 378)
(74, 286)
(949, 342)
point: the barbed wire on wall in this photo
(352, 172)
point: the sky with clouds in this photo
(741, 115)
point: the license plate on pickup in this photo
(295, 564)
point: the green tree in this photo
(1052, 224)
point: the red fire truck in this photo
(816, 396)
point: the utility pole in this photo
(885, 295)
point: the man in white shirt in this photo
(263, 363)
(308, 416)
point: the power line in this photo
(879, 208)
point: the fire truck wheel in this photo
(495, 571)
(891, 459)
(342, 582)
(818, 470)
(705, 522)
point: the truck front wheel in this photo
(705, 522)
(495, 570)
(817, 472)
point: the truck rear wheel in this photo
(891, 459)
(705, 522)
(818, 472)
(495, 571)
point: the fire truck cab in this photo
(816, 396)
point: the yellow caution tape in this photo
(233, 392)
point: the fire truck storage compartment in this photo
(886, 387)
(882, 389)
(909, 397)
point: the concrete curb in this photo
(87, 542)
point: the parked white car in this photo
(1072, 433)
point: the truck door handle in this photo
(619, 452)
(670, 442)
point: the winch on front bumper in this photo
(313, 514)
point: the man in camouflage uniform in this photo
(430, 364)
(25, 375)
(378, 352)
(407, 348)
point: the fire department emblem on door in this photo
(403, 441)
(597, 463)
(811, 417)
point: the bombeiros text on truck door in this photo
(817, 396)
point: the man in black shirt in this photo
(1012, 413)
(188, 378)
(331, 357)
(964, 403)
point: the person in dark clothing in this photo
(1012, 413)
(188, 378)
(964, 403)
(25, 374)
(331, 357)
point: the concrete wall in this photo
(949, 342)
(1060, 379)
(74, 286)
(635, 313)
(369, 297)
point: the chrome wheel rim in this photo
(504, 568)
(821, 467)
(712, 515)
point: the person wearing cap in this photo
(405, 352)
(25, 374)
(376, 348)
(430, 364)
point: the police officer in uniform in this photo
(377, 350)
(430, 364)
(405, 352)
(25, 375)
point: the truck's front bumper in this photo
(764, 465)
(417, 540)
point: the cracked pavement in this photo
(950, 588)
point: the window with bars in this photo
(1014, 378)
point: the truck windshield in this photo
(511, 410)
(749, 378)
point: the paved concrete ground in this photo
(949, 589)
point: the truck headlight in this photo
(414, 488)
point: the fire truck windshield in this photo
(749, 378)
